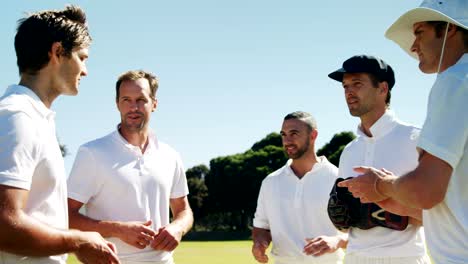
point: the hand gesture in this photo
(365, 186)
(167, 238)
(137, 234)
(93, 249)
(321, 245)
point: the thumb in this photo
(147, 223)
(112, 246)
(386, 171)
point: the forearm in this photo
(34, 238)
(261, 235)
(183, 220)
(416, 215)
(408, 190)
(85, 223)
(405, 189)
(422, 188)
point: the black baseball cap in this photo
(366, 64)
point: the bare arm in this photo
(261, 240)
(169, 237)
(423, 187)
(34, 238)
(393, 206)
(135, 233)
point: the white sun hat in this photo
(452, 11)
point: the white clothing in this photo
(444, 135)
(30, 159)
(117, 182)
(356, 259)
(393, 147)
(294, 209)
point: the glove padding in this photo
(345, 211)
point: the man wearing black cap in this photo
(383, 142)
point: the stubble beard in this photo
(135, 127)
(300, 151)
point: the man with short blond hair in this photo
(146, 175)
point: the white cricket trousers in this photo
(152, 262)
(356, 259)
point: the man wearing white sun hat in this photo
(437, 34)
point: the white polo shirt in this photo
(117, 182)
(294, 209)
(444, 135)
(30, 159)
(393, 147)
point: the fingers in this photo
(112, 247)
(345, 183)
(316, 248)
(362, 169)
(164, 240)
(258, 251)
(113, 259)
(386, 171)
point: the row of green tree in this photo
(223, 197)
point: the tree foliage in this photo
(332, 150)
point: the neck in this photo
(40, 86)
(138, 139)
(369, 119)
(453, 52)
(304, 164)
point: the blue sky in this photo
(229, 70)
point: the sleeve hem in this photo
(438, 151)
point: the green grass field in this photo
(210, 252)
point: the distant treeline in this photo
(223, 197)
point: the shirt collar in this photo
(320, 162)
(463, 59)
(382, 126)
(32, 98)
(152, 144)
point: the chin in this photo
(425, 69)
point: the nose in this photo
(348, 91)
(286, 140)
(414, 47)
(133, 105)
(84, 71)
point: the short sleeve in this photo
(19, 149)
(342, 164)
(179, 186)
(83, 182)
(445, 129)
(260, 219)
